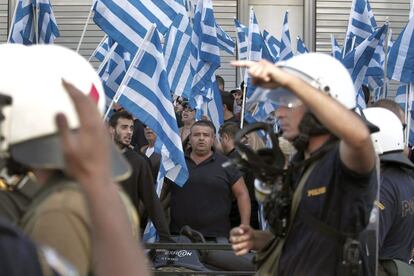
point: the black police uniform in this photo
(396, 239)
(337, 197)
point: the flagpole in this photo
(387, 34)
(100, 43)
(243, 106)
(409, 108)
(127, 76)
(12, 23)
(36, 27)
(85, 27)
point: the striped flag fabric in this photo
(101, 50)
(401, 98)
(285, 45)
(127, 21)
(205, 53)
(361, 22)
(215, 105)
(272, 44)
(300, 46)
(242, 40)
(400, 65)
(177, 52)
(145, 93)
(225, 42)
(357, 61)
(23, 27)
(335, 48)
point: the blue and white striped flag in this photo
(285, 45)
(361, 22)
(400, 65)
(102, 49)
(374, 77)
(146, 95)
(336, 49)
(205, 53)
(127, 21)
(357, 61)
(215, 106)
(272, 44)
(177, 52)
(242, 40)
(401, 98)
(23, 28)
(301, 47)
(225, 42)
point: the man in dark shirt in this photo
(227, 133)
(204, 202)
(396, 235)
(228, 106)
(337, 174)
(140, 185)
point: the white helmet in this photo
(32, 76)
(390, 136)
(389, 141)
(321, 71)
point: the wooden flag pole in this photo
(35, 22)
(85, 27)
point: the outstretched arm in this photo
(87, 159)
(356, 149)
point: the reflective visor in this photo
(283, 97)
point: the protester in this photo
(204, 202)
(220, 83)
(140, 185)
(339, 176)
(227, 134)
(149, 151)
(188, 119)
(396, 236)
(228, 103)
(238, 99)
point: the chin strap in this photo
(309, 125)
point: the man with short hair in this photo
(227, 133)
(140, 185)
(204, 202)
(228, 105)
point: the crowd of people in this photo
(78, 193)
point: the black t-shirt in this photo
(140, 186)
(204, 202)
(396, 239)
(336, 196)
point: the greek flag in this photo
(374, 76)
(205, 53)
(101, 50)
(177, 52)
(357, 61)
(361, 22)
(23, 28)
(400, 65)
(225, 42)
(285, 45)
(215, 106)
(272, 44)
(145, 93)
(300, 46)
(401, 98)
(242, 40)
(127, 21)
(336, 49)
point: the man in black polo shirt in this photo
(204, 202)
(335, 165)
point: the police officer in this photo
(333, 176)
(396, 232)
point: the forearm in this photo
(120, 256)
(260, 239)
(243, 203)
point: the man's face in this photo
(149, 134)
(289, 120)
(201, 140)
(123, 132)
(237, 97)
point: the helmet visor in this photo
(283, 97)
